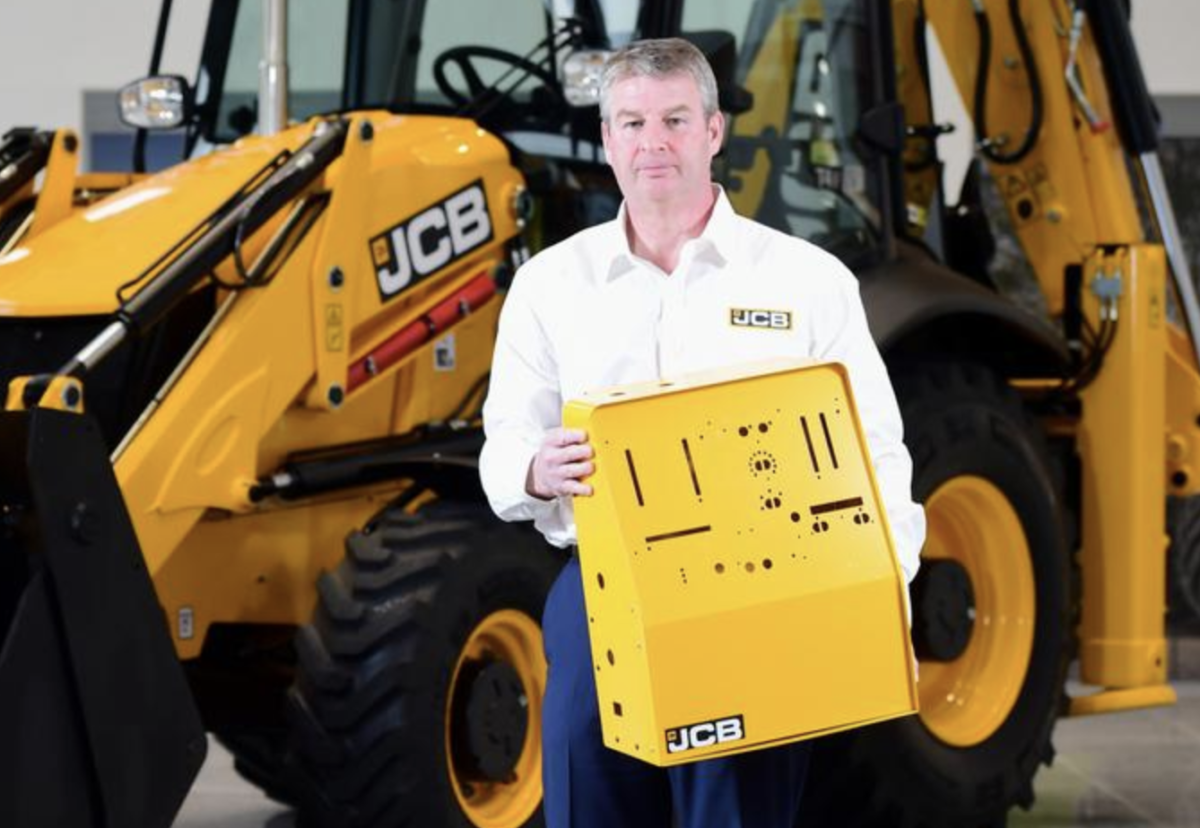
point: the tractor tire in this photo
(259, 758)
(992, 612)
(419, 683)
(1183, 562)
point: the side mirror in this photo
(156, 102)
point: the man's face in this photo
(658, 141)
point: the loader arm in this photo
(1060, 161)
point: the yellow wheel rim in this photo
(965, 701)
(513, 637)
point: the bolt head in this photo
(71, 396)
(83, 523)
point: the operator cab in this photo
(813, 133)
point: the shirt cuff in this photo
(503, 470)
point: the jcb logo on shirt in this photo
(774, 319)
(705, 734)
(430, 240)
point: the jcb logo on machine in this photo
(705, 734)
(432, 239)
(773, 319)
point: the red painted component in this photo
(440, 317)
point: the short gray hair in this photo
(659, 59)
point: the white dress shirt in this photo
(588, 313)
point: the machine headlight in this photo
(158, 102)
(581, 74)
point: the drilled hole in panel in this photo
(612, 659)
(600, 579)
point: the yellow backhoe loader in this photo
(238, 490)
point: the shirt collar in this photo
(719, 236)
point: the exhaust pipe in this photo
(273, 70)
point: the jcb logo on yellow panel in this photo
(432, 239)
(705, 734)
(773, 319)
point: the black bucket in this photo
(97, 724)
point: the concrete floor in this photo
(1115, 771)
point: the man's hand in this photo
(562, 461)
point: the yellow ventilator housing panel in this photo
(739, 576)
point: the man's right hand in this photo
(563, 460)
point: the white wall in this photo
(52, 50)
(1165, 31)
(1172, 67)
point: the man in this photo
(647, 296)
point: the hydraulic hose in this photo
(196, 262)
(928, 133)
(989, 146)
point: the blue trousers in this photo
(589, 786)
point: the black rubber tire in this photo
(374, 667)
(1183, 563)
(259, 758)
(961, 419)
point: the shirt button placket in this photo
(663, 324)
(675, 312)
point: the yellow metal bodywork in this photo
(735, 549)
(135, 226)
(1116, 701)
(1122, 446)
(60, 394)
(1072, 192)
(1183, 415)
(255, 392)
(58, 186)
(1072, 202)
(61, 192)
